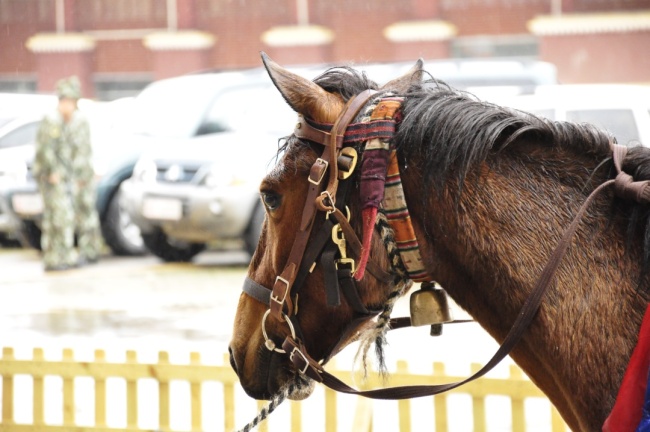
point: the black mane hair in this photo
(453, 131)
(345, 81)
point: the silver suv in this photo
(187, 193)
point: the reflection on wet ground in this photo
(121, 298)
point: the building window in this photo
(123, 14)
(21, 11)
(111, 88)
(494, 46)
(17, 85)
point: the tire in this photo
(31, 234)
(119, 232)
(168, 250)
(252, 234)
(7, 242)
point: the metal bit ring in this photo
(268, 343)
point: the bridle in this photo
(307, 247)
(335, 236)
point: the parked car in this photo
(16, 135)
(623, 110)
(185, 196)
(161, 113)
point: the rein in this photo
(330, 199)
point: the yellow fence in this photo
(517, 387)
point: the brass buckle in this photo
(352, 153)
(304, 357)
(320, 179)
(284, 297)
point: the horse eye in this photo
(271, 200)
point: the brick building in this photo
(117, 46)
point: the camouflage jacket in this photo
(63, 149)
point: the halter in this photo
(340, 161)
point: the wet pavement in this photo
(122, 302)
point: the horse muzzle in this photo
(267, 374)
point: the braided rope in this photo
(266, 411)
(402, 283)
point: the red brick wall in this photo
(19, 20)
(238, 28)
(53, 67)
(604, 5)
(476, 17)
(108, 14)
(121, 56)
(609, 57)
(358, 26)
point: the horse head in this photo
(323, 320)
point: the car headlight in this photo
(145, 170)
(15, 172)
(218, 177)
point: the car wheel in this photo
(7, 242)
(169, 250)
(252, 234)
(31, 234)
(119, 231)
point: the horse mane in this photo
(450, 131)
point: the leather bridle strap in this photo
(280, 297)
(304, 363)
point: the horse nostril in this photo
(233, 364)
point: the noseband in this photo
(336, 235)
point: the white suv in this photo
(623, 110)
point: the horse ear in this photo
(402, 84)
(304, 96)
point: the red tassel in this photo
(368, 215)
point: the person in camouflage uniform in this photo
(63, 170)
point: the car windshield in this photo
(23, 135)
(619, 122)
(247, 107)
(172, 108)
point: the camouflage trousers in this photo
(89, 237)
(57, 238)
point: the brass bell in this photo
(429, 306)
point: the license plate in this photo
(27, 204)
(162, 209)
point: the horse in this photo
(490, 191)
